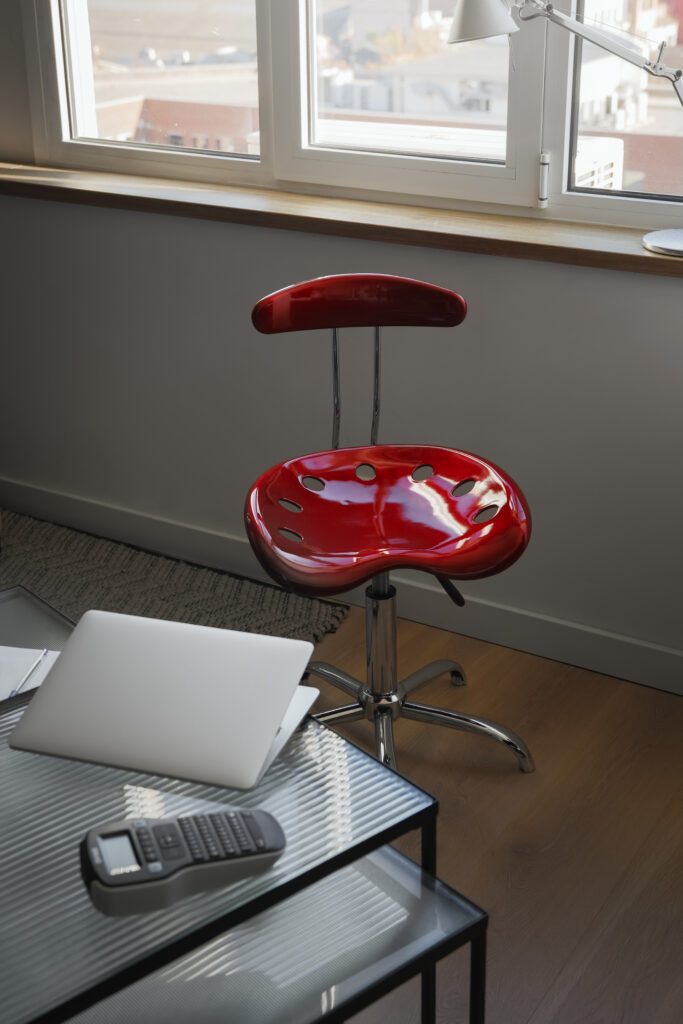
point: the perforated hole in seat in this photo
(290, 534)
(365, 471)
(484, 515)
(313, 483)
(422, 473)
(464, 487)
(291, 506)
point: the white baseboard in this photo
(610, 653)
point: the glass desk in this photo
(26, 621)
(338, 808)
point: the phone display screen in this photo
(118, 854)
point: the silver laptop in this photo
(174, 699)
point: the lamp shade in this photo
(479, 19)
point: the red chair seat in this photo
(330, 539)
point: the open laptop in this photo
(194, 702)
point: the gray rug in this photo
(74, 571)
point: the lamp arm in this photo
(528, 9)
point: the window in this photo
(163, 74)
(385, 80)
(628, 126)
(363, 95)
(363, 99)
(170, 88)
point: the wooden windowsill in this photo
(584, 245)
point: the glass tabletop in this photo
(26, 621)
(334, 802)
(310, 958)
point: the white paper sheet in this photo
(15, 662)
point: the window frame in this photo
(296, 160)
(539, 120)
(282, 114)
(51, 115)
(563, 202)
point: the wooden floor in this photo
(580, 865)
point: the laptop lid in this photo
(193, 702)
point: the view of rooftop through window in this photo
(179, 73)
(183, 74)
(629, 126)
(387, 80)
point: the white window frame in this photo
(52, 142)
(296, 160)
(539, 119)
(563, 203)
(283, 89)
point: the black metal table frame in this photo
(475, 936)
(425, 965)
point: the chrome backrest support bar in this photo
(336, 388)
(336, 399)
(376, 388)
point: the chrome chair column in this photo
(380, 632)
(380, 696)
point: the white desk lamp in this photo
(479, 19)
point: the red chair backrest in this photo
(358, 300)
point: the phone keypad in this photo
(243, 839)
(221, 836)
(192, 839)
(224, 834)
(149, 851)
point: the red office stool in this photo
(324, 523)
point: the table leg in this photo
(428, 992)
(428, 995)
(478, 979)
(429, 847)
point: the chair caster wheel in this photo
(458, 678)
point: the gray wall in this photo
(134, 383)
(137, 400)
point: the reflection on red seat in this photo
(319, 525)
